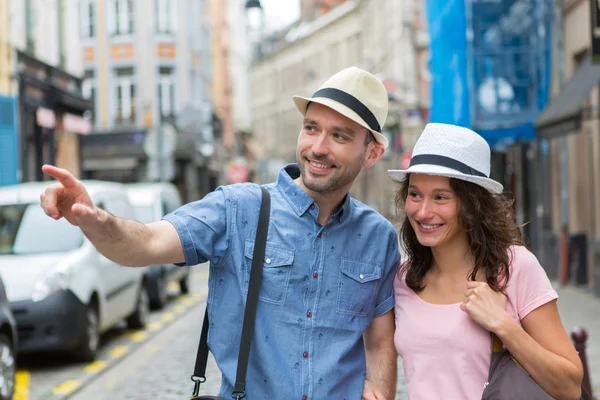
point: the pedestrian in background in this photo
(324, 327)
(466, 275)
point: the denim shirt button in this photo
(268, 261)
(309, 314)
(305, 354)
(315, 275)
(304, 398)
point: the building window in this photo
(29, 26)
(121, 17)
(166, 11)
(166, 93)
(88, 87)
(88, 18)
(125, 96)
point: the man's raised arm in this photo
(123, 241)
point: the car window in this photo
(144, 213)
(26, 229)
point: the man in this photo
(324, 326)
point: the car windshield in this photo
(26, 229)
(144, 214)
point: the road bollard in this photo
(580, 336)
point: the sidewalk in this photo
(580, 308)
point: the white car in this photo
(62, 291)
(152, 201)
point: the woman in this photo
(466, 274)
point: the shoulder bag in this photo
(199, 377)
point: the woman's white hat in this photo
(452, 151)
(357, 95)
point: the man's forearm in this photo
(121, 240)
(382, 370)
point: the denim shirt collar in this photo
(299, 200)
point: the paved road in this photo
(160, 368)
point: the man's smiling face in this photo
(332, 150)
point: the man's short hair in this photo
(369, 137)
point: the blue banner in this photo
(446, 20)
(9, 142)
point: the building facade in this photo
(147, 66)
(569, 146)
(5, 49)
(375, 35)
(47, 70)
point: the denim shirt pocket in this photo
(358, 283)
(277, 266)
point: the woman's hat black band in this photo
(442, 161)
(352, 103)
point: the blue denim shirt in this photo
(321, 287)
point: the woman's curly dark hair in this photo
(489, 222)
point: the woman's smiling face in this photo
(433, 209)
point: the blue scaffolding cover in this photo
(506, 52)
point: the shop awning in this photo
(564, 113)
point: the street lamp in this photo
(253, 4)
(254, 12)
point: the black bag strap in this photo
(260, 243)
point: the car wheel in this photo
(90, 337)
(138, 319)
(184, 284)
(161, 297)
(8, 368)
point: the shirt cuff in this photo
(385, 306)
(187, 242)
(546, 297)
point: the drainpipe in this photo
(564, 176)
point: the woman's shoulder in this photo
(526, 270)
(522, 259)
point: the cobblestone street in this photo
(161, 368)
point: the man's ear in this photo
(375, 151)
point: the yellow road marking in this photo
(66, 387)
(187, 301)
(179, 309)
(118, 351)
(154, 326)
(168, 317)
(94, 367)
(139, 336)
(21, 385)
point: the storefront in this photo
(571, 126)
(51, 115)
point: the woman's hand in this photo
(485, 306)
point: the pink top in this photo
(446, 355)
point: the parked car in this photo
(62, 291)
(8, 347)
(151, 201)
